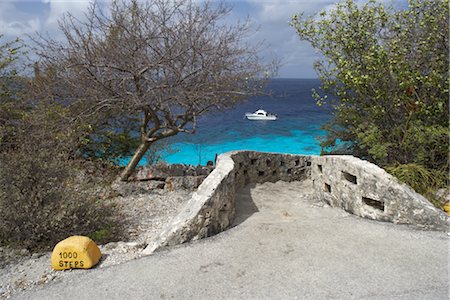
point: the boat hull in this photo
(261, 118)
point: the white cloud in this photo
(14, 23)
(19, 18)
(273, 16)
(283, 10)
(60, 7)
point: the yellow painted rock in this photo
(447, 207)
(75, 252)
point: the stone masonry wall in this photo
(355, 185)
(366, 190)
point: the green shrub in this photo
(423, 180)
(384, 70)
(45, 194)
(43, 201)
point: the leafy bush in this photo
(45, 194)
(385, 72)
(42, 202)
(422, 180)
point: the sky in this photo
(271, 18)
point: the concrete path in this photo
(284, 246)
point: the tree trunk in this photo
(138, 154)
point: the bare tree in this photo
(169, 61)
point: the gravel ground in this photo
(146, 214)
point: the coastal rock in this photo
(177, 170)
(189, 183)
(157, 172)
(163, 171)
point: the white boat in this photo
(261, 115)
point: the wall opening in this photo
(289, 171)
(308, 163)
(373, 203)
(349, 177)
(327, 188)
(297, 162)
(320, 168)
(253, 161)
(274, 172)
(261, 173)
(268, 162)
(281, 163)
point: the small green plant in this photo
(103, 234)
(422, 180)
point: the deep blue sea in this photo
(295, 131)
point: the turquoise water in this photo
(297, 141)
(296, 130)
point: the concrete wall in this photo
(357, 186)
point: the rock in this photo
(36, 255)
(159, 172)
(177, 169)
(185, 182)
(125, 189)
(110, 246)
(135, 245)
(75, 252)
(447, 207)
(163, 171)
(190, 171)
(443, 195)
(203, 171)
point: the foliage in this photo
(10, 54)
(166, 61)
(421, 179)
(45, 195)
(387, 71)
(418, 177)
(41, 204)
(155, 153)
(111, 140)
(11, 85)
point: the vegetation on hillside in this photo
(45, 193)
(385, 71)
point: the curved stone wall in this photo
(366, 190)
(355, 185)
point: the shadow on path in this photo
(245, 206)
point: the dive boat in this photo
(261, 115)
